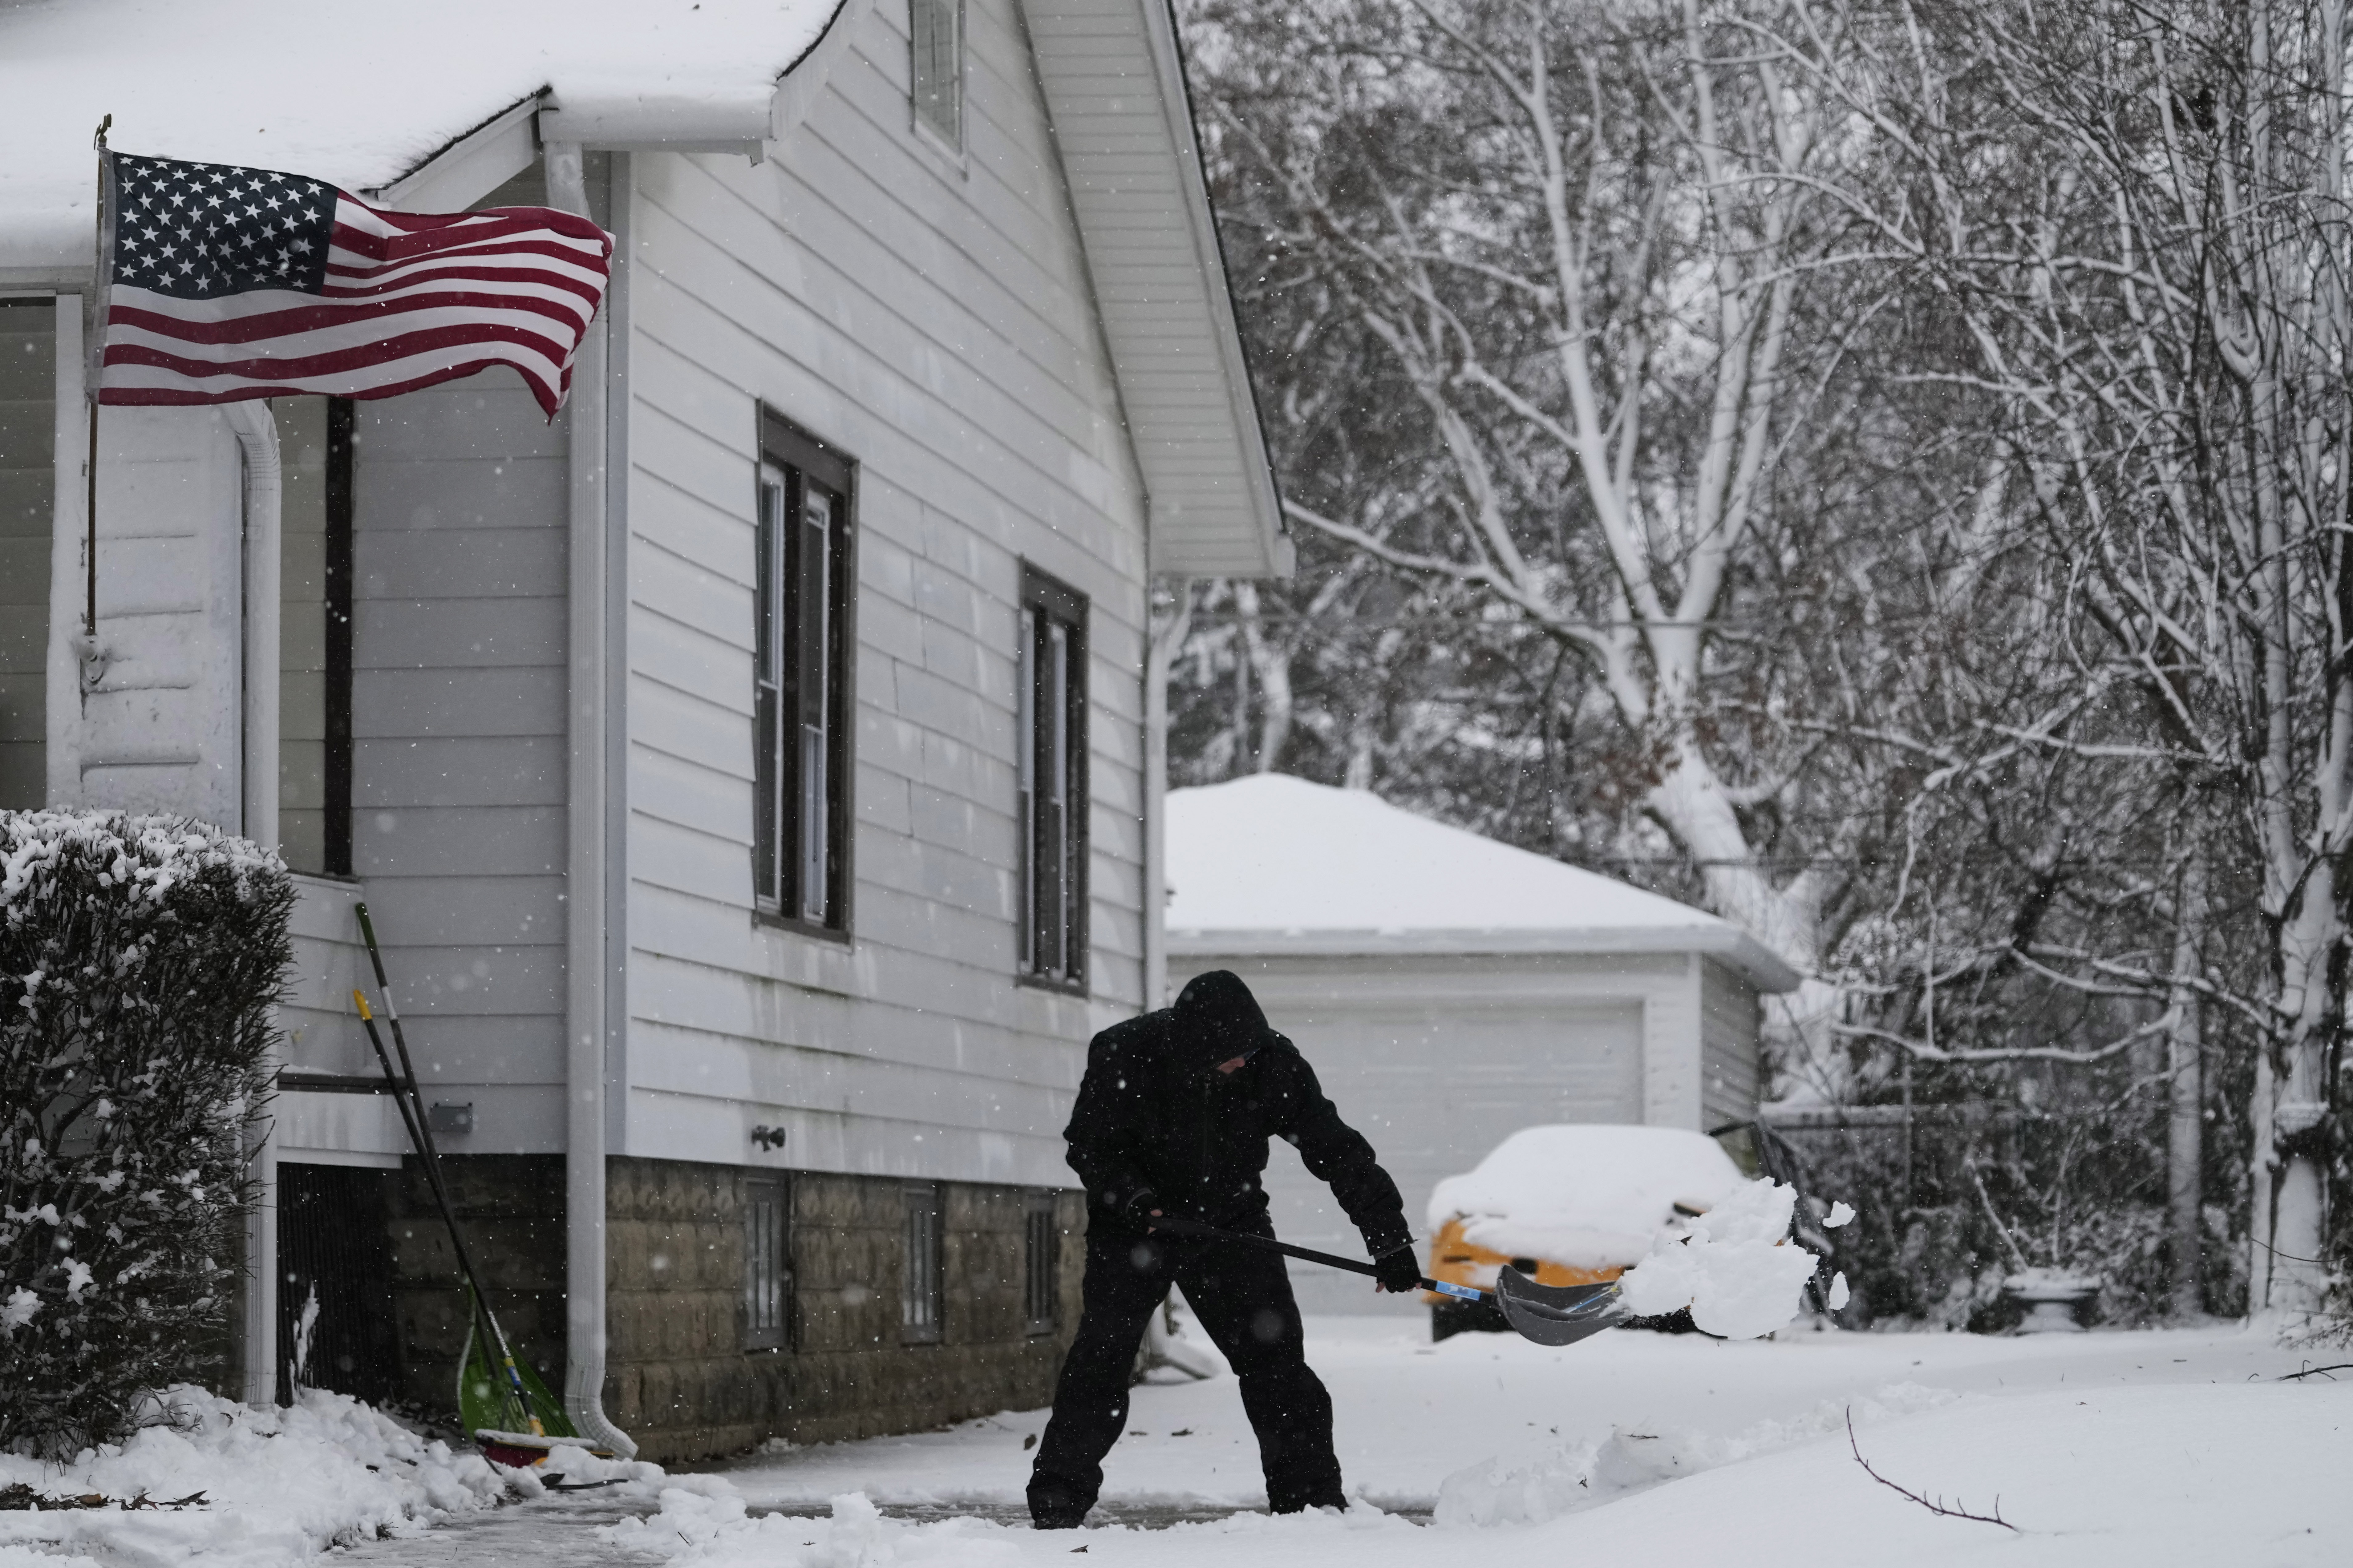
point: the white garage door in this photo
(1435, 1090)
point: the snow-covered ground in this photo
(217, 1485)
(2181, 1446)
(2161, 1448)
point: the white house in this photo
(746, 770)
(1449, 990)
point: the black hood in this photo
(1218, 1019)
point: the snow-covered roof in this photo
(1587, 1196)
(357, 94)
(437, 99)
(1276, 864)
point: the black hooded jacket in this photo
(1154, 1115)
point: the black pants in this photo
(1242, 1296)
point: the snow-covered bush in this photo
(139, 958)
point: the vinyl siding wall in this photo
(27, 483)
(1728, 1027)
(929, 316)
(459, 738)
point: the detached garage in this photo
(1451, 990)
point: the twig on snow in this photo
(1959, 1510)
(2318, 1371)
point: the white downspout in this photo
(1163, 640)
(256, 438)
(584, 891)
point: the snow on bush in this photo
(139, 957)
(279, 1486)
(1735, 1266)
(1580, 1475)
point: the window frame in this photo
(1047, 605)
(950, 141)
(772, 1330)
(342, 484)
(793, 463)
(1041, 1264)
(922, 1283)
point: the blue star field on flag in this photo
(197, 231)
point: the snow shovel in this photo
(1548, 1314)
(513, 1415)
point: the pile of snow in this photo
(1580, 1475)
(713, 1532)
(277, 1485)
(1585, 1197)
(1735, 1267)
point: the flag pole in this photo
(96, 336)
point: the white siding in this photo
(457, 766)
(1729, 1027)
(28, 470)
(162, 730)
(930, 317)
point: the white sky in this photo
(1275, 853)
(351, 91)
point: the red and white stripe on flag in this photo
(405, 301)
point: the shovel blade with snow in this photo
(1548, 1314)
(1558, 1314)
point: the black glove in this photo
(1398, 1269)
(1137, 1209)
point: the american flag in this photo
(231, 283)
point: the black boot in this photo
(1050, 1508)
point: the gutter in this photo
(585, 1066)
(1765, 969)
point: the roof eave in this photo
(1759, 964)
(1114, 77)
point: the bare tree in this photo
(1583, 260)
(2137, 211)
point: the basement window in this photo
(921, 1300)
(767, 1263)
(1042, 1282)
(935, 47)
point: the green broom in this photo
(513, 1419)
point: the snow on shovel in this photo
(1548, 1314)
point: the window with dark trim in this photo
(343, 461)
(935, 73)
(314, 667)
(800, 830)
(1052, 732)
(767, 1263)
(1041, 1274)
(921, 1300)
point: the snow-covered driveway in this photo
(1409, 1414)
(2127, 1448)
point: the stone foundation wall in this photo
(679, 1379)
(679, 1376)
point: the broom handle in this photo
(418, 1135)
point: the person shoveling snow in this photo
(1172, 1121)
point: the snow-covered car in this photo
(1567, 1205)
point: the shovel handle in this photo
(1177, 1226)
